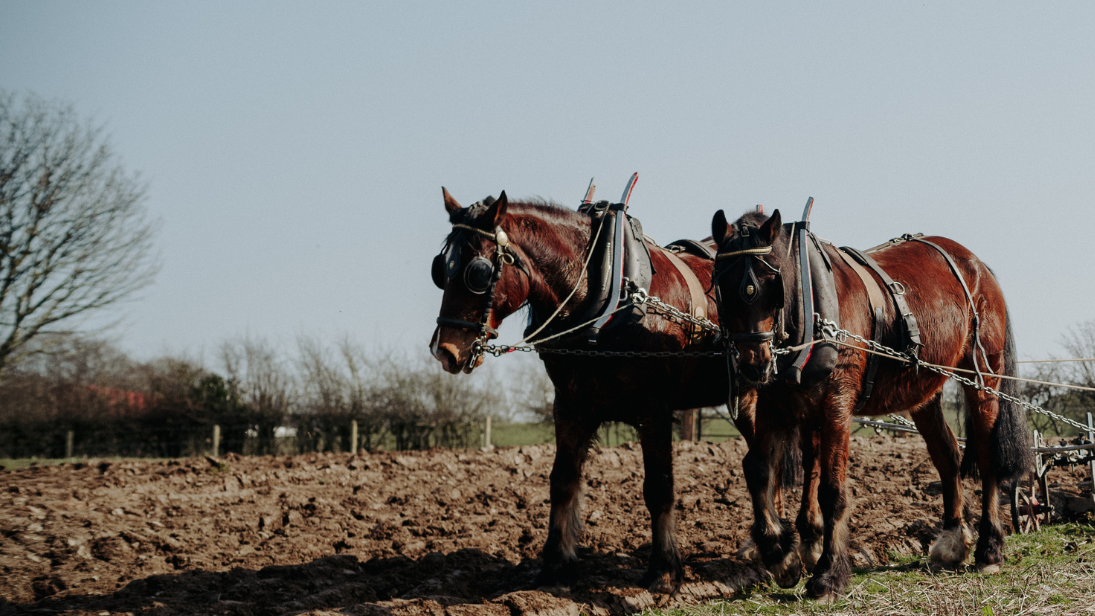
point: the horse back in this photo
(935, 296)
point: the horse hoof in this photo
(821, 592)
(992, 569)
(787, 578)
(661, 583)
(950, 549)
(748, 550)
(810, 553)
(788, 572)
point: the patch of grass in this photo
(1049, 572)
(11, 464)
(518, 434)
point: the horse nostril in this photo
(447, 359)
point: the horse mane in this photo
(753, 218)
(534, 216)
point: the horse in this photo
(531, 254)
(755, 303)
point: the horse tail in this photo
(1013, 446)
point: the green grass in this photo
(1049, 572)
(14, 463)
(517, 434)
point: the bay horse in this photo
(544, 248)
(956, 334)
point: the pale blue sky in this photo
(295, 151)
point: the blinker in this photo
(749, 283)
(477, 275)
(437, 271)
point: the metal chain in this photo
(902, 421)
(842, 335)
(638, 297)
(828, 328)
(641, 297)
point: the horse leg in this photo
(952, 546)
(989, 554)
(833, 569)
(665, 573)
(810, 524)
(775, 544)
(574, 433)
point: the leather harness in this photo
(697, 298)
(856, 260)
(877, 303)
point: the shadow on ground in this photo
(466, 581)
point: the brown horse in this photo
(954, 332)
(545, 246)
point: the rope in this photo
(581, 277)
(1052, 361)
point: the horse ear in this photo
(720, 229)
(497, 211)
(451, 206)
(770, 230)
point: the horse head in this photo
(751, 288)
(484, 279)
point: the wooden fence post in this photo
(688, 425)
(70, 437)
(486, 436)
(216, 440)
(1091, 464)
(353, 436)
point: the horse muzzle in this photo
(757, 374)
(449, 347)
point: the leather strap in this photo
(973, 308)
(698, 300)
(897, 292)
(877, 303)
(874, 294)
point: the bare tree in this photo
(265, 386)
(74, 233)
(1079, 343)
(533, 393)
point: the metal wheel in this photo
(1030, 508)
(1046, 506)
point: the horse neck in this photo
(555, 243)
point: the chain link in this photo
(641, 297)
(638, 297)
(842, 335)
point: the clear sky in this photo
(295, 151)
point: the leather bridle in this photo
(504, 254)
(748, 288)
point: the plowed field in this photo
(437, 532)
